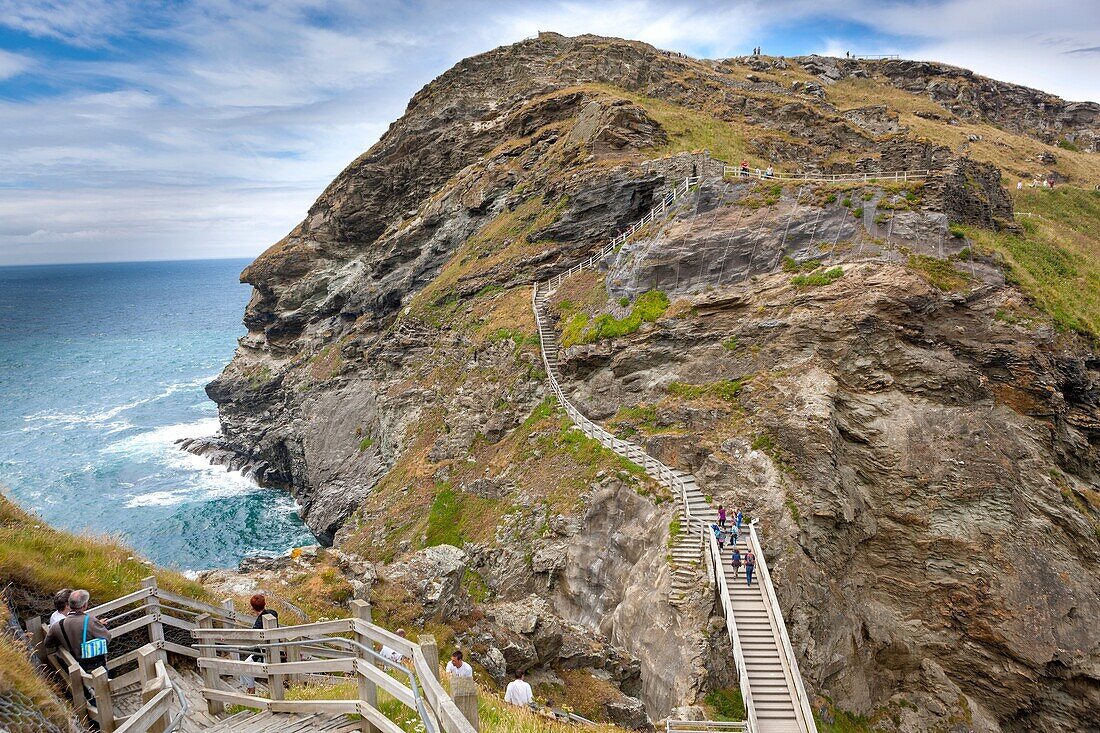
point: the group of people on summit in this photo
(724, 534)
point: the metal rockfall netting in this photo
(20, 714)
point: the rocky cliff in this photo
(843, 361)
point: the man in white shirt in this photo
(392, 654)
(519, 692)
(457, 668)
(60, 605)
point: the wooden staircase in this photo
(775, 699)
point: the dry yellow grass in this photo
(1014, 154)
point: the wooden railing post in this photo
(464, 693)
(431, 652)
(274, 681)
(368, 691)
(210, 678)
(76, 688)
(148, 656)
(38, 635)
(152, 608)
(105, 711)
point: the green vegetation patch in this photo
(792, 265)
(939, 273)
(726, 705)
(817, 279)
(724, 389)
(1054, 259)
(647, 308)
(38, 560)
(443, 518)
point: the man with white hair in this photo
(392, 654)
(75, 629)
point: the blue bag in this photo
(91, 648)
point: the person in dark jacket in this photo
(259, 607)
(68, 633)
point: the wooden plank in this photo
(176, 622)
(283, 633)
(126, 680)
(382, 636)
(121, 602)
(202, 607)
(264, 669)
(184, 651)
(147, 714)
(380, 721)
(236, 698)
(399, 691)
(134, 625)
(314, 706)
(122, 659)
(105, 712)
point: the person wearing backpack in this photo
(750, 565)
(81, 635)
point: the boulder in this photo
(629, 713)
(433, 577)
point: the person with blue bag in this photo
(83, 636)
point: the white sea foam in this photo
(200, 480)
(105, 418)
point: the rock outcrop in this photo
(835, 359)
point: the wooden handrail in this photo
(805, 712)
(731, 629)
(673, 479)
(281, 633)
(360, 661)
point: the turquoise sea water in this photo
(102, 369)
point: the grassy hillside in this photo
(21, 686)
(1055, 259)
(37, 560)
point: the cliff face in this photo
(919, 442)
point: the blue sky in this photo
(175, 130)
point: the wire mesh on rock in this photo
(20, 714)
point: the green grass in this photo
(817, 279)
(1055, 258)
(723, 389)
(647, 308)
(763, 442)
(443, 518)
(674, 531)
(1067, 145)
(939, 273)
(39, 560)
(791, 265)
(726, 705)
(19, 679)
(730, 344)
(365, 443)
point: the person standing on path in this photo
(735, 560)
(519, 691)
(457, 668)
(74, 631)
(721, 516)
(258, 602)
(60, 605)
(750, 565)
(738, 518)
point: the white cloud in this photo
(12, 64)
(209, 127)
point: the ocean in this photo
(102, 369)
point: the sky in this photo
(181, 130)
